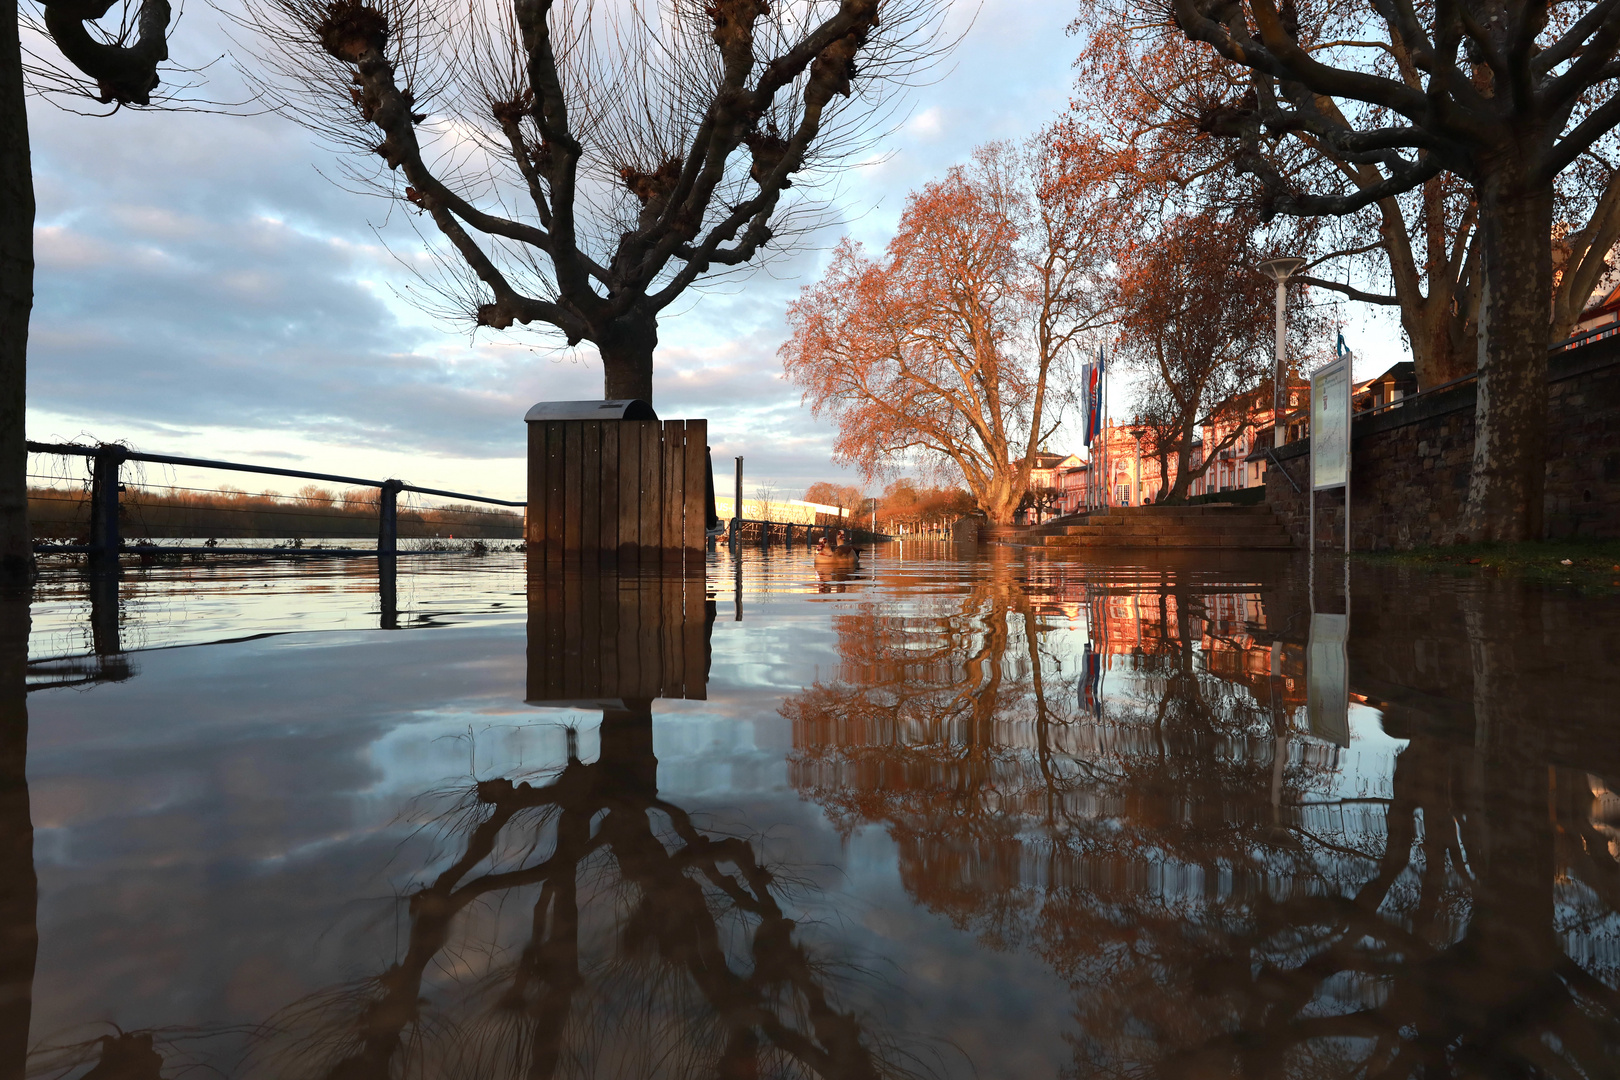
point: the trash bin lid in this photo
(617, 409)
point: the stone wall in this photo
(1409, 466)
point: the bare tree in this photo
(1505, 95)
(586, 164)
(1195, 316)
(121, 61)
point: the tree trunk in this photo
(627, 358)
(16, 300)
(1508, 480)
(19, 933)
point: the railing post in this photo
(104, 487)
(388, 517)
(387, 551)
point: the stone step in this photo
(1228, 541)
(1178, 529)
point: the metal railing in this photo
(105, 540)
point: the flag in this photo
(1341, 348)
(1093, 374)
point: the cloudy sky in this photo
(204, 289)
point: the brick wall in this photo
(1409, 466)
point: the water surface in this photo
(777, 823)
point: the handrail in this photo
(234, 466)
(1272, 457)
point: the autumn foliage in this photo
(953, 348)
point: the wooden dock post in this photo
(610, 482)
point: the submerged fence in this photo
(112, 510)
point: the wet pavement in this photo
(1001, 816)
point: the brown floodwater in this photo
(993, 816)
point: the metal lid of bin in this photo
(619, 409)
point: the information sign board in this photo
(1330, 426)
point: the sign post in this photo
(1330, 439)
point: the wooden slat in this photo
(590, 491)
(610, 491)
(607, 602)
(695, 634)
(534, 515)
(674, 480)
(651, 531)
(589, 599)
(555, 507)
(629, 490)
(573, 645)
(572, 455)
(671, 639)
(697, 494)
(631, 658)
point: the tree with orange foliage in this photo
(1197, 323)
(951, 348)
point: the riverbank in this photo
(1588, 564)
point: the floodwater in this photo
(903, 822)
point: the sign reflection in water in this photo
(1221, 891)
(1460, 921)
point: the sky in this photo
(204, 289)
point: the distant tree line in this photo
(229, 514)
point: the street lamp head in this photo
(1280, 270)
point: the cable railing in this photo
(116, 510)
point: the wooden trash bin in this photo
(610, 482)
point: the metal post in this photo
(1279, 431)
(104, 487)
(736, 505)
(388, 517)
(387, 552)
(104, 611)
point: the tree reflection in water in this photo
(1223, 893)
(576, 923)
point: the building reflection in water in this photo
(1225, 896)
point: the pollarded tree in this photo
(122, 65)
(586, 164)
(1506, 95)
(954, 346)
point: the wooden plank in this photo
(555, 510)
(572, 431)
(573, 671)
(674, 481)
(590, 491)
(631, 660)
(610, 491)
(695, 634)
(590, 631)
(534, 515)
(650, 533)
(629, 490)
(697, 494)
(607, 602)
(674, 645)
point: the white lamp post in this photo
(1280, 270)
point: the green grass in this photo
(1590, 564)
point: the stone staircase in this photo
(1240, 528)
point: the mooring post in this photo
(104, 538)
